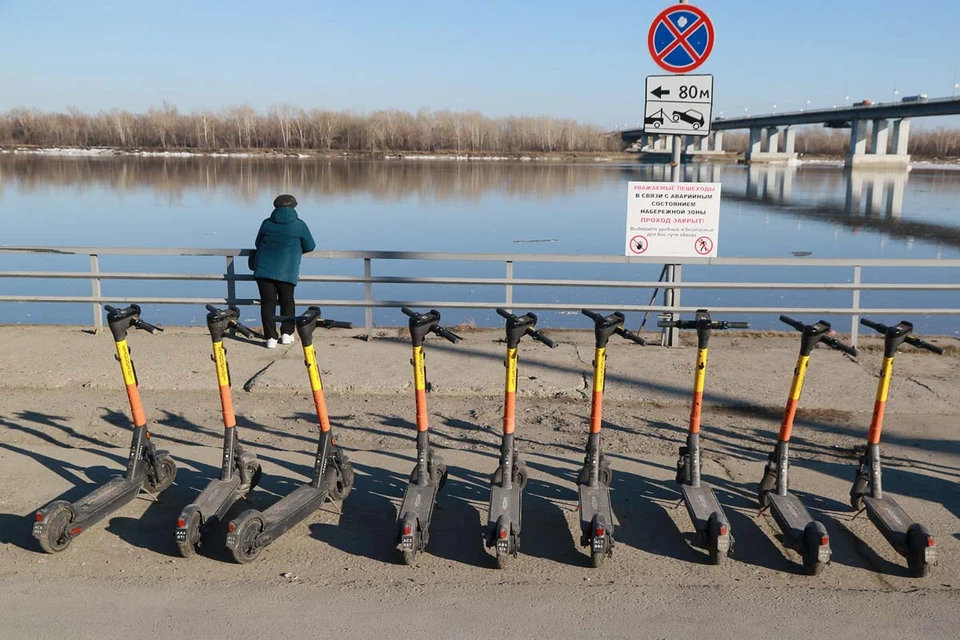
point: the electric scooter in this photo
(908, 538)
(430, 473)
(593, 480)
(149, 468)
(711, 523)
(510, 478)
(239, 470)
(252, 530)
(806, 536)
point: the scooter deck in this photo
(595, 501)
(291, 510)
(217, 498)
(106, 499)
(505, 502)
(701, 504)
(790, 514)
(418, 503)
(892, 521)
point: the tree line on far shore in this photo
(289, 129)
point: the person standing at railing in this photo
(282, 240)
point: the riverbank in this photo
(65, 427)
(96, 152)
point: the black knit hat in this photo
(286, 200)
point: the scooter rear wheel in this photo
(597, 558)
(812, 565)
(409, 557)
(505, 560)
(191, 545)
(248, 527)
(55, 537)
(162, 476)
(916, 554)
(713, 544)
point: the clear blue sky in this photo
(580, 59)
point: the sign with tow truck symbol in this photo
(680, 105)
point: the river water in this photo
(476, 206)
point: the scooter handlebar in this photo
(923, 344)
(337, 324)
(630, 335)
(446, 333)
(876, 326)
(503, 313)
(796, 324)
(593, 315)
(146, 326)
(833, 343)
(731, 325)
(539, 337)
(407, 311)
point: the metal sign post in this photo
(680, 39)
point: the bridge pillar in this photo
(789, 140)
(689, 144)
(705, 143)
(754, 145)
(895, 195)
(858, 138)
(878, 138)
(718, 140)
(773, 140)
(901, 137)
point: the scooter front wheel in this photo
(246, 528)
(767, 484)
(857, 492)
(55, 537)
(342, 483)
(253, 471)
(162, 475)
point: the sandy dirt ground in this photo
(65, 428)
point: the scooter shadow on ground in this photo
(16, 529)
(47, 420)
(368, 518)
(851, 550)
(458, 521)
(641, 507)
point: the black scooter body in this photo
(239, 470)
(908, 537)
(59, 522)
(252, 531)
(430, 473)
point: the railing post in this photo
(508, 290)
(671, 298)
(367, 297)
(95, 289)
(855, 322)
(231, 283)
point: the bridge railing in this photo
(671, 285)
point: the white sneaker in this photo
(286, 338)
(271, 343)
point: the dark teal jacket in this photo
(282, 239)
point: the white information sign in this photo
(673, 219)
(681, 105)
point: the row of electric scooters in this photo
(153, 470)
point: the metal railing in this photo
(672, 285)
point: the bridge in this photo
(773, 135)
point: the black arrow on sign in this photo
(660, 92)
